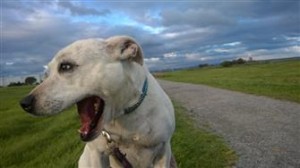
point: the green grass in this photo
(196, 148)
(279, 79)
(27, 141)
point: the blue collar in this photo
(142, 97)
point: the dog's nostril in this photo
(27, 103)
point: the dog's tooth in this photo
(81, 132)
(96, 107)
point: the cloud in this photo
(34, 39)
(9, 63)
(170, 55)
(197, 57)
(232, 44)
(152, 59)
(199, 17)
(80, 9)
(263, 54)
(172, 35)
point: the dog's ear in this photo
(124, 48)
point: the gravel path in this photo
(264, 132)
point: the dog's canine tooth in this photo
(96, 107)
(85, 132)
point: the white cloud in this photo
(228, 50)
(232, 44)
(197, 57)
(152, 59)
(171, 35)
(170, 55)
(293, 49)
(292, 38)
(222, 50)
(188, 31)
(263, 54)
(9, 63)
(154, 30)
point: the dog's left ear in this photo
(124, 48)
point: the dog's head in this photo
(88, 73)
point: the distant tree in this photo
(30, 80)
(233, 62)
(203, 65)
(15, 84)
(240, 61)
(226, 63)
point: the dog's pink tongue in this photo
(86, 112)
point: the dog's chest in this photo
(129, 133)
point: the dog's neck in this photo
(131, 90)
(140, 100)
(137, 78)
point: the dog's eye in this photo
(65, 67)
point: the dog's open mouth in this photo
(90, 111)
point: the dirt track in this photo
(264, 132)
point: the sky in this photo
(173, 34)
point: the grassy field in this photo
(196, 148)
(277, 79)
(27, 141)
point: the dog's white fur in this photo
(112, 69)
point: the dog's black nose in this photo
(27, 103)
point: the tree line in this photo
(30, 80)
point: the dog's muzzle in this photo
(27, 103)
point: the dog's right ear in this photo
(124, 48)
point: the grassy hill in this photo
(27, 141)
(277, 79)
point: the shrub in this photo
(233, 62)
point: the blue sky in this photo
(172, 34)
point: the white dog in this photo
(127, 119)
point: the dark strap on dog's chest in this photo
(115, 151)
(121, 158)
